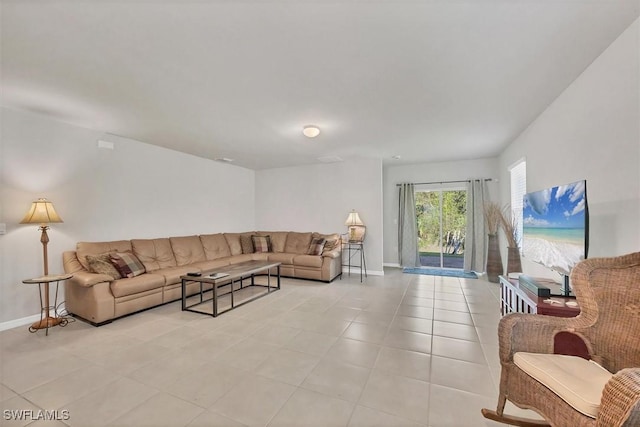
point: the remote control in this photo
(194, 274)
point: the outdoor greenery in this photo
(454, 208)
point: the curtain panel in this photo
(475, 252)
(407, 227)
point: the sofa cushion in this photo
(283, 257)
(154, 253)
(101, 264)
(297, 243)
(261, 256)
(316, 246)
(307, 261)
(578, 381)
(135, 285)
(233, 240)
(127, 264)
(278, 239)
(187, 250)
(172, 274)
(247, 244)
(211, 265)
(215, 246)
(95, 248)
(261, 243)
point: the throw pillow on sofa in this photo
(331, 244)
(127, 264)
(261, 243)
(247, 244)
(101, 264)
(316, 246)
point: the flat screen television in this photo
(555, 224)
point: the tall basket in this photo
(494, 260)
(514, 265)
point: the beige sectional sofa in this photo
(99, 298)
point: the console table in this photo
(355, 248)
(517, 299)
(46, 309)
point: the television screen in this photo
(555, 226)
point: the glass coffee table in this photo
(212, 286)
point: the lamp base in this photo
(48, 322)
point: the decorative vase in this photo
(494, 260)
(513, 260)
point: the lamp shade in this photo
(41, 212)
(353, 219)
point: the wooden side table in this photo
(46, 309)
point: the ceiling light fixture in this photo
(311, 131)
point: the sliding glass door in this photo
(441, 216)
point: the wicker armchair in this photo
(608, 291)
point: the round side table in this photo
(48, 314)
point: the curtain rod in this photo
(450, 182)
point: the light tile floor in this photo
(398, 350)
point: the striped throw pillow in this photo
(261, 243)
(316, 246)
(127, 264)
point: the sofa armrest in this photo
(335, 253)
(86, 279)
(620, 404)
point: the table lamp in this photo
(43, 213)
(356, 226)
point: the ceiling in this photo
(429, 81)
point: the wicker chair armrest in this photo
(620, 404)
(531, 333)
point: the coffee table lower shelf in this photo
(210, 288)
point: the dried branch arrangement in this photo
(492, 216)
(509, 224)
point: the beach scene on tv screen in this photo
(554, 229)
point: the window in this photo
(518, 173)
(442, 220)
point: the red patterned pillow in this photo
(316, 246)
(261, 243)
(127, 264)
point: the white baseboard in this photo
(10, 324)
(392, 265)
(16, 323)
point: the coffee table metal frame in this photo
(236, 273)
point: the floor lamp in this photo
(43, 213)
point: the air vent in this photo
(330, 159)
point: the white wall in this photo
(135, 191)
(427, 172)
(320, 197)
(592, 132)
